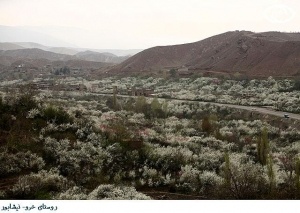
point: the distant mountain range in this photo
(35, 53)
(38, 59)
(30, 50)
(101, 57)
(25, 34)
(243, 52)
(42, 38)
(10, 46)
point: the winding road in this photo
(261, 110)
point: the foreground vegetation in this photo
(74, 145)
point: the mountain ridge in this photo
(244, 52)
(9, 46)
(36, 53)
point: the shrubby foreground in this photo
(91, 147)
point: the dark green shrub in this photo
(57, 116)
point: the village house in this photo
(184, 71)
(43, 85)
(140, 92)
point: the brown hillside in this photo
(101, 57)
(252, 54)
(35, 54)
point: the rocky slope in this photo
(244, 52)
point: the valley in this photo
(214, 119)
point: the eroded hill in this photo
(244, 52)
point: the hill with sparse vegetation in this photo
(238, 52)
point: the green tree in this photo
(227, 175)
(297, 85)
(115, 99)
(141, 105)
(156, 108)
(129, 105)
(218, 135)
(206, 125)
(271, 174)
(164, 108)
(56, 115)
(66, 70)
(297, 171)
(263, 147)
(173, 73)
(113, 103)
(110, 102)
(155, 105)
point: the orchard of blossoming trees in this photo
(82, 145)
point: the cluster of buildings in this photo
(182, 71)
(133, 91)
(140, 92)
(51, 85)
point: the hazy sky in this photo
(147, 23)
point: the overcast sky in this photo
(129, 24)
